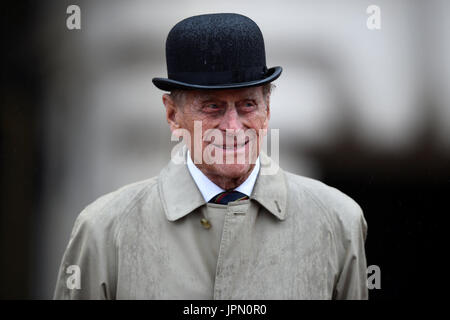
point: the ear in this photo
(171, 112)
(266, 121)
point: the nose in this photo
(231, 120)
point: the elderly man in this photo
(215, 226)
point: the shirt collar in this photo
(180, 194)
(209, 189)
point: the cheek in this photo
(259, 122)
(208, 124)
(190, 124)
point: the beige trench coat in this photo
(300, 239)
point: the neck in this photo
(227, 183)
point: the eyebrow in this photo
(207, 98)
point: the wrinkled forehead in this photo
(227, 94)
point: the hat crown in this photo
(216, 43)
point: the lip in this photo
(234, 148)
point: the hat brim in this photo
(169, 84)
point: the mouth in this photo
(230, 147)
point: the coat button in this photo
(205, 223)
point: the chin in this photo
(231, 170)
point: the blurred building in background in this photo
(367, 111)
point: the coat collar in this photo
(270, 188)
(180, 194)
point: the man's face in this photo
(232, 122)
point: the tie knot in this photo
(228, 196)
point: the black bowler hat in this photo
(216, 51)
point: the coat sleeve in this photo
(87, 267)
(352, 280)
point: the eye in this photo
(248, 105)
(211, 107)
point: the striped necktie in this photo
(228, 196)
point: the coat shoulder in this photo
(110, 209)
(338, 206)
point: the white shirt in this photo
(209, 189)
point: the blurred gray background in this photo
(351, 103)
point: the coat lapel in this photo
(178, 191)
(270, 190)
